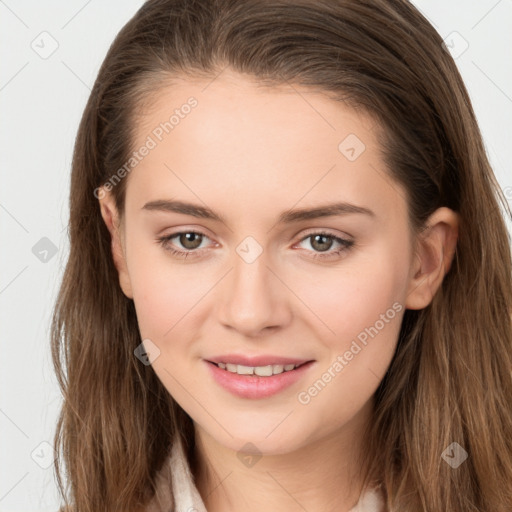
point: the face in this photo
(225, 264)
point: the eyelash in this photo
(345, 244)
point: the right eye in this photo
(189, 240)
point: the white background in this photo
(41, 102)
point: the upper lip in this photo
(263, 360)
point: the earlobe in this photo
(110, 216)
(435, 251)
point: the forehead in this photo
(231, 100)
(230, 138)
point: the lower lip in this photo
(254, 386)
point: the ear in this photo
(434, 253)
(111, 217)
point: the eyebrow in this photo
(287, 217)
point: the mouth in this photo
(257, 381)
(261, 371)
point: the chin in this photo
(261, 437)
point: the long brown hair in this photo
(450, 379)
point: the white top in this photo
(188, 499)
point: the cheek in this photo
(364, 308)
(163, 291)
(164, 297)
(167, 304)
(353, 297)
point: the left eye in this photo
(323, 242)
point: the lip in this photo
(254, 386)
(262, 360)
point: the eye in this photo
(322, 242)
(189, 240)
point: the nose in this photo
(252, 299)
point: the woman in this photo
(289, 282)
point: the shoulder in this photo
(371, 500)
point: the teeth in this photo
(262, 371)
(244, 370)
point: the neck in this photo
(320, 476)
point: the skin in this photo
(251, 153)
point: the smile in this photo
(257, 382)
(261, 371)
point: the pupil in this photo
(187, 240)
(323, 245)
